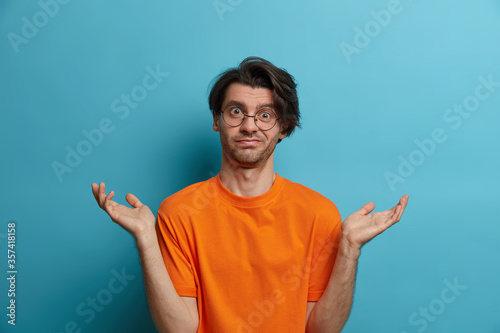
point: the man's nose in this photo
(248, 125)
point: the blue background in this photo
(361, 113)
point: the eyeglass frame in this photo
(254, 117)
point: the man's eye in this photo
(236, 111)
(266, 116)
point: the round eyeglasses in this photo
(265, 118)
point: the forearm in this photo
(167, 309)
(333, 308)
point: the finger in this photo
(367, 208)
(403, 202)
(102, 194)
(108, 202)
(398, 209)
(133, 201)
(391, 217)
(95, 189)
(395, 216)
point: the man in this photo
(247, 250)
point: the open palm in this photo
(136, 220)
(360, 227)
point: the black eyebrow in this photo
(266, 105)
(234, 103)
(243, 105)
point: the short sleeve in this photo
(176, 255)
(324, 255)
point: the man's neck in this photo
(247, 182)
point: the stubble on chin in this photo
(248, 157)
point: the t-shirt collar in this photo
(249, 202)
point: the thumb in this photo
(133, 201)
(367, 208)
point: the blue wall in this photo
(397, 97)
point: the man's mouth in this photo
(248, 142)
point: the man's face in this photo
(247, 145)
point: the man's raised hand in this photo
(137, 220)
(361, 226)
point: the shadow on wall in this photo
(196, 158)
(137, 318)
(202, 160)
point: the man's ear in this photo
(283, 132)
(215, 126)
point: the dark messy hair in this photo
(260, 73)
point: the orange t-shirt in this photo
(252, 262)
